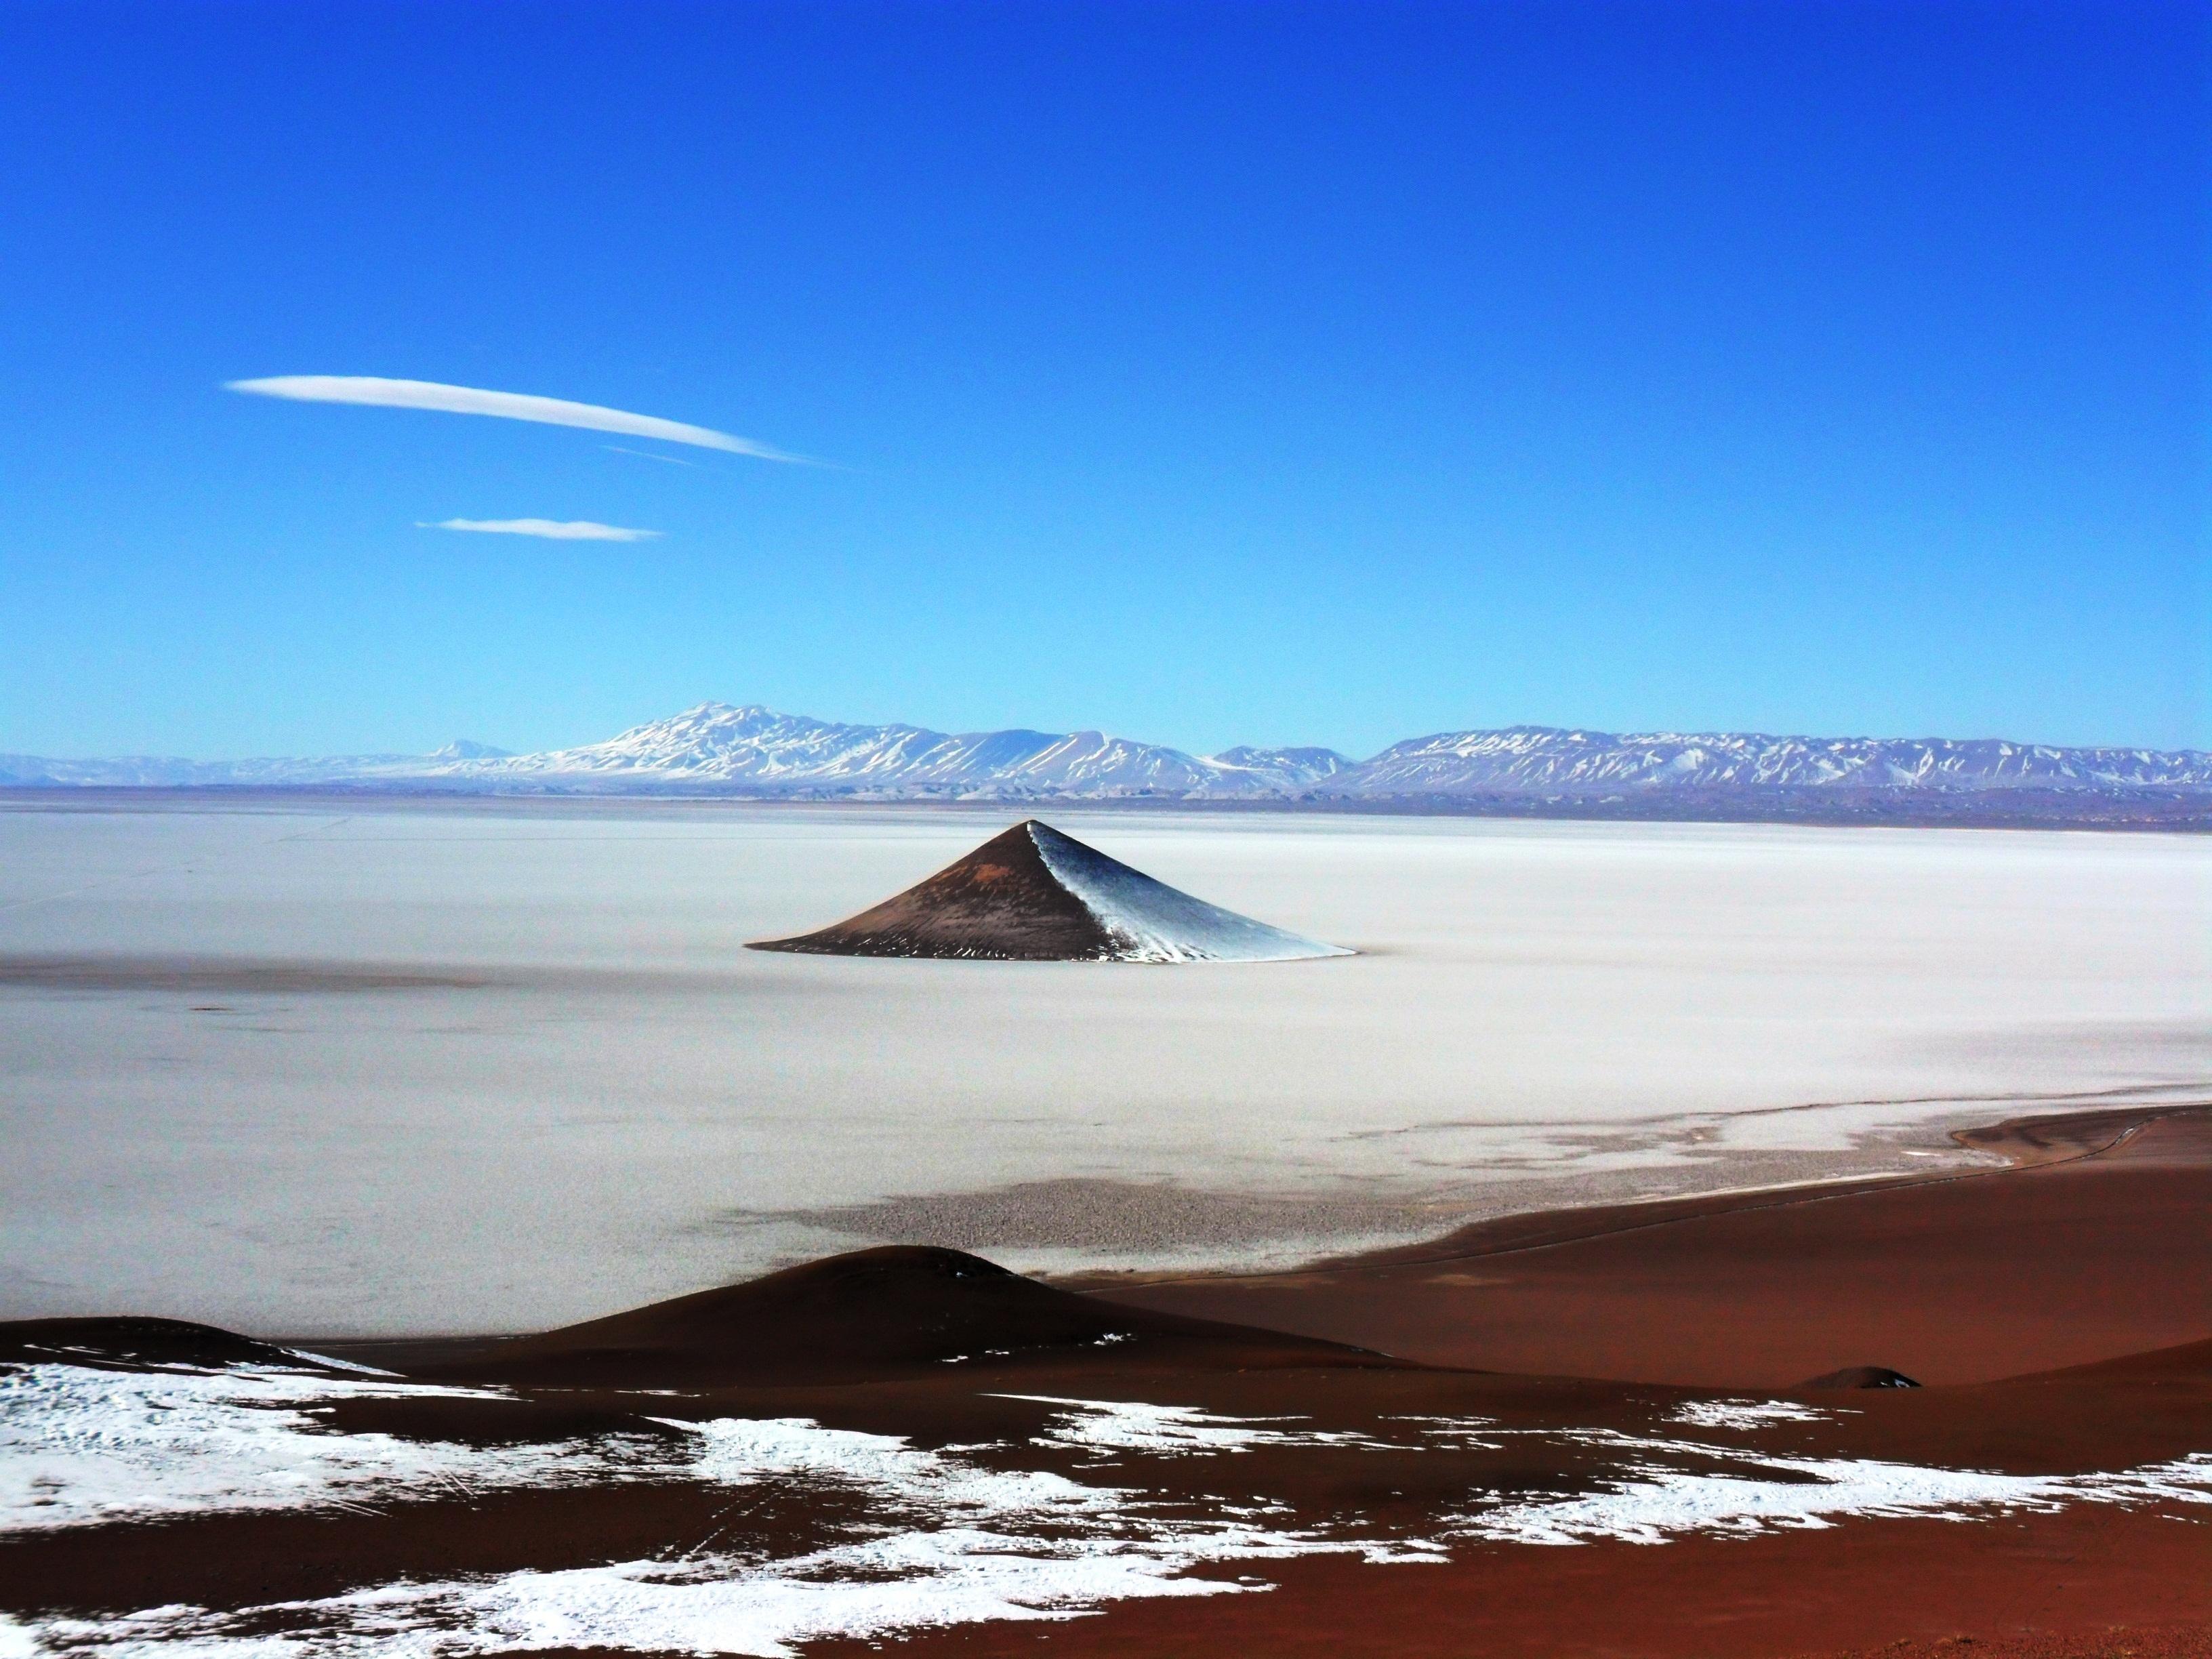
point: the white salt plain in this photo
(307, 1068)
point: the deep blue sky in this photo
(1209, 373)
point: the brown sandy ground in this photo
(2101, 1246)
(2121, 1642)
(2066, 1271)
(2041, 1588)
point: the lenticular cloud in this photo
(551, 530)
(377, 392)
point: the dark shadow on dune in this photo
(132, 1341)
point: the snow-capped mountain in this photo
(761, 751)
(166, 772)
(1543, 760)
(1288, 770)
(756, 752)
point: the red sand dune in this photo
(1949, 1279)
(872, 1315)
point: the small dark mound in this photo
(132, 1342)
(896, 1310)
(1861, 1377)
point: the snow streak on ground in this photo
(945, 1537)
(1176, 1430)
(80, 1446)
(1742, 1414)
(1657, 1500)
(963, 1543)
(932, 1575)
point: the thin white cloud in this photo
(553, 530)
(508, 405)
(647, 455)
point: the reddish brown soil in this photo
(2119, 1642)
(2083, 1281)
(1949, 1280)
(2021, 1586)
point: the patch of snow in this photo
(80, 1446)
(329, 1364)
(905, 1582)
(1742, 1414)
(1176, 1430)
(1155, 923)
(735, 1451)
(943, 1537)
(985, 1545)
(1660, 1502)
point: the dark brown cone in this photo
(1000, 903)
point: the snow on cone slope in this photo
(1158, 923)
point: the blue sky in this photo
(1208, 373)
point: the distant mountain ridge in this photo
(1543, 759)
(719, 749)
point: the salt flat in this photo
(304, 1067)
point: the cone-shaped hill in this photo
(1034, 895)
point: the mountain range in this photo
(752, 752)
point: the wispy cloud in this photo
(647, 455)
(506, 405)
(552, 529)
